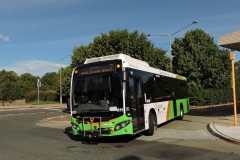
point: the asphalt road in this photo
(21, 138)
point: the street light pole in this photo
(60, 72)
(170, 40)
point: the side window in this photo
(158, 88)
(139, 88)
(131, 89)
(148, 87)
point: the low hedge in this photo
(49, 95)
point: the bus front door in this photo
(174, 104)
(136, 103)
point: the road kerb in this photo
(212, 130)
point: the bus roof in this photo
(135, 64)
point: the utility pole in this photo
(232, 57)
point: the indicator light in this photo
(76, 71)
(118, 66)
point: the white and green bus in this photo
(119, 95)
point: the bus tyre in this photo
(181, 114)
(152, 124)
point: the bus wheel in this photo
(152, 124)
(181, 114)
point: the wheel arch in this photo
(181, 112)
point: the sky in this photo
(38, 36)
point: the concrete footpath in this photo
(225, 129)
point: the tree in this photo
(237, 71)
(199, 59)
(9, 88)
(237, 75)
(50, 81)
(66, 81)
(27, 83)
(121, 41)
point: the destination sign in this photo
(100, 68)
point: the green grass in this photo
(15, 103)
(23, 102)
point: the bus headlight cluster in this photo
(76, 127)
(121, 125)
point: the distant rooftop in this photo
(230, 41)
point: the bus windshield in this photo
(96, 93)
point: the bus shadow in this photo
(115, 139)
(214, 111)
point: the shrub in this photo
(49, 95)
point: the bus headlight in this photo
(117, 127)
(124, 124)
(121, 125)
(74, 126)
